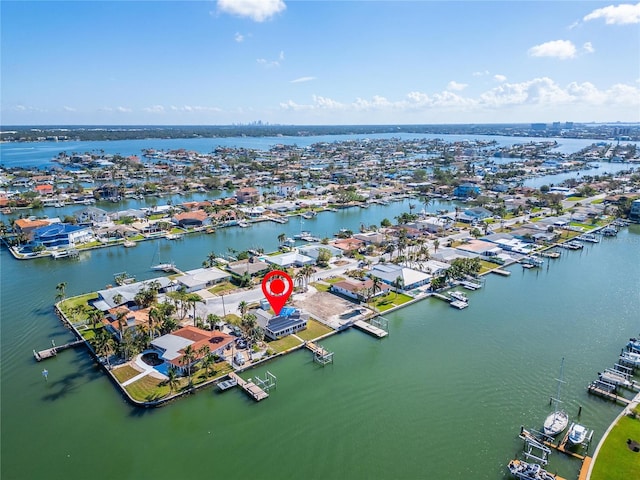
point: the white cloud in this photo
(303, 79)
(271, 63)
(480, 74)
(256, 10)
(623, 14)
(499, 78)
(68, 109)
(194, 108)
(588, 47)
(456, 86)
(123, 109)
(154, 109)
(541, 95)
(238, 37)
(562, 49)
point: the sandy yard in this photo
(324, 306)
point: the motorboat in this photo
(577, 434)
(460, 296)
(557, 420)
(528, 471)
(634, 345)
(632, 358)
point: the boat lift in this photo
(269, 382)
(534, 447)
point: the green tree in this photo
(172, 378)
(61, 289)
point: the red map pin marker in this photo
(277, 287)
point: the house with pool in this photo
(290, 320)
(168, 350)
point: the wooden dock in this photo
(316, 349)
(53, 351)
(584, 470)
(595, 388)
(504, 273)
(251, 388)
(370, 329)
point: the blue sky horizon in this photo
(308, 62)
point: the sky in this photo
(323, 62)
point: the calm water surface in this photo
(443, 395)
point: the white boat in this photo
(557, 420)
(161, 266)
(588, 237)
(634, 345)
(632, 358)
(172, 236)
(308, 215)
(528, 471)
(243, 224)
(72, 252)
(615, 378)
(129, 243)
(577, 434)
(460, 296)
(301, 235)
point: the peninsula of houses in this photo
(185, 329)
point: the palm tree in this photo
(307, 272)
(187, 359)
(398, 283)
(117, 299)
(204, 352)
(242, 308)
(281, 238)
(192, 299)
(172, 378)
(61, 288)
(120, 318)
(104, 345)
(436, 244)
(95, 316)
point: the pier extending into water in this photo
(53, 351)
(370, 329)
(320, 355)
(251, 388)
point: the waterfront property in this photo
(172, 347)
(289, 321)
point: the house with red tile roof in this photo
(26, 226)
(171, 346)
(194, 218)
(44, 189)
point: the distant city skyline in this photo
(318, 62)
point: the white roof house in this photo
(171, 345)
(411, 278)
(290, 259)
(202, 278)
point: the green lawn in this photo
(283, 344)
(69, 303)
(321, 287)
(333, 280)
(616, 461)
(390, 300)
(124, 373)
(148, 389)
(314, 329)
(487, 266)
(221, 288)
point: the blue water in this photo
(40, 154)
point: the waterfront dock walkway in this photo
(370, 329)
(53, 351)
(251, 388)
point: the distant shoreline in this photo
(48, 133)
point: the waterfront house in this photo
(252, 266)
(290, 320)
(480, 247)
(313, 250)
(194, 218)
(202, 278)
(290, 259)
(408, 277)
(348, 244)
(26, 225)
(91, 215)
(248, 195)
(466, 190)
(360, 290)
(171, 347)
(435, 224)
(125, 294)
(44, 189)
(61, 235)
(374, 238)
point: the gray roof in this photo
(171, 344)
(128, 293)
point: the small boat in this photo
(243, 224)
(615, 378)
(588, 237)
(557, 420)
(172, 236)
(460, 296)
(528, 471)
(609, 231)
(634, 345)
(577, 434)
(129, 243)
(71, 252)
(161, 266)
(459, 304)
(301, 235)
(309, 214)
(632, 358)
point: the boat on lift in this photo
(528, 471)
